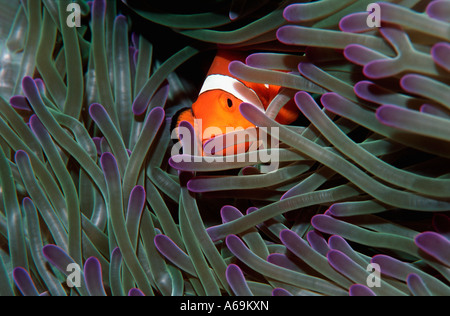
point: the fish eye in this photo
(230, 103)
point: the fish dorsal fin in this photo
(222, 61)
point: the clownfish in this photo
(221, 95)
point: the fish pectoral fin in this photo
(288, 114)
(183, 115)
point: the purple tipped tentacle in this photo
(230, 213)
(417, 286)
(135, 292)
(441, 55)
(439, 10)
(435, 245)
(93, 277)
(24, 282)
(355, 23)
(281, 292)
(174, 253)
(237, 282)
(136, 201)
(361, 55)
(19, 102)
(360, 290)
(317, 242)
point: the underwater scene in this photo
(224, 148)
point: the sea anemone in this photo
(93, 203)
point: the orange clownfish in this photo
(221, 95)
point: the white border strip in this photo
(234, 87)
